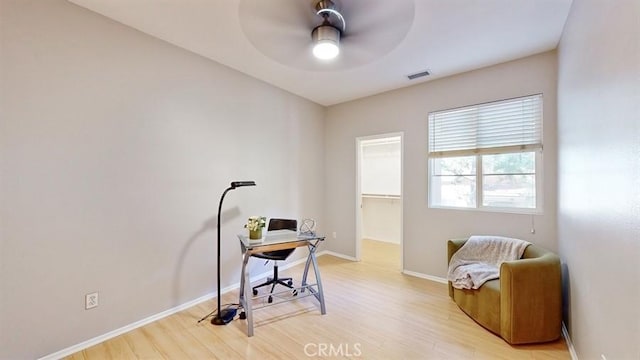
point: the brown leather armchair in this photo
(524, 305)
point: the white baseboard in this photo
(338, 255)
(406, 272)
(567, 338)
(425, 276)
(111, 334)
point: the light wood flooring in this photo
(373, 312)
(381, 254)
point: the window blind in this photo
(502, 126)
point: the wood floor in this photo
(373, 312)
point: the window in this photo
(487, 156)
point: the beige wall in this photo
(114, 150)
(425, 230)
(599, 176)
(115, 147)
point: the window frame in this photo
(479, 191)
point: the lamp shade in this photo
(326, 41)
(237, 184)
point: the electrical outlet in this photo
(91, 301)
(334, 234)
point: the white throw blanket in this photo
(479, 260)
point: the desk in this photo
(279, 240)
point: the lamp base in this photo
(224, 317)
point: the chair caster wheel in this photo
(295, 292)
(243, 315)
(255, 292)
(290, 282)
(270, 299)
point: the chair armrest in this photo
(453, 245)
(531, 299)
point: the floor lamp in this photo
(223, 317)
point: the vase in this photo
(255, 234)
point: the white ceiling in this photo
(446, 36)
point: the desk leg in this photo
(306, 267)
(243, 270)
(320, 295)
(311, 259)
(245, 294)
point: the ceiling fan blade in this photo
(280, 29)
(277, 14)
(374, 18)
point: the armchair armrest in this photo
(531, 299)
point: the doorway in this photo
(379, 200)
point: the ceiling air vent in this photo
(419, 75)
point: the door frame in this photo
(358, 199)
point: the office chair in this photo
(278, 255)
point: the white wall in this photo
(425, 230)
(380, 166)
(114, 150)
(382, 218)
(599, 176)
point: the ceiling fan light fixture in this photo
(326, 42)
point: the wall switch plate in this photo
(91, 301)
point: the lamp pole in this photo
(223, 317)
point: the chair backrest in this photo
(282, 224)
(279, 224)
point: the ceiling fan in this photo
(313, 35)
(326, 36)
